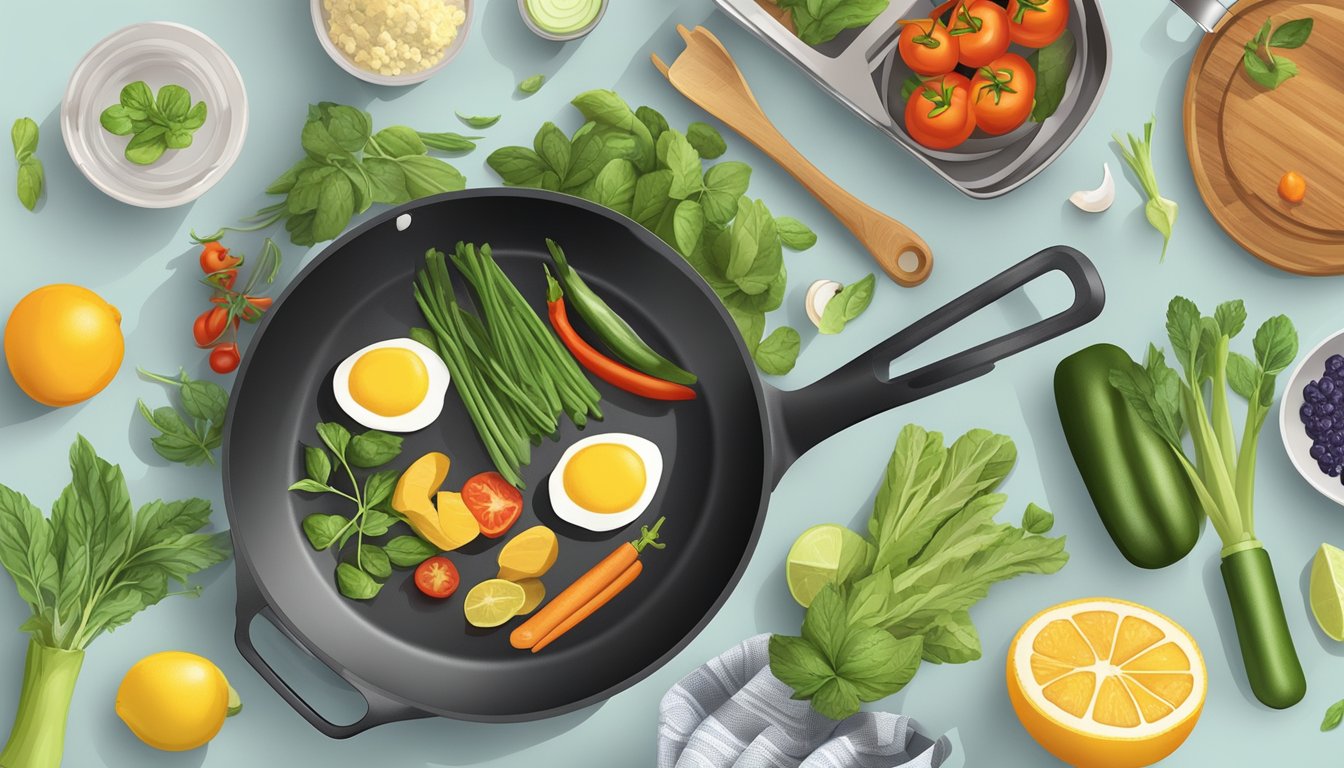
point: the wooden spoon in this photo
(707, 75)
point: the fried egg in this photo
(396, 385)
(605, 482)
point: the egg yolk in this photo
(390, 381)
(605, 478)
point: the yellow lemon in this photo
(175, 701)
(1105, 683)
(63, 344)
(493, 602)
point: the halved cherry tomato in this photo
(224, 358)
(938, 114)
(494, 503)
(1037, 23)
(981, 29)
(210, 326)
(215, 257)
(437, 577)
(927, 48)
(1002, 94)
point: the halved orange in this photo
(1105, 683)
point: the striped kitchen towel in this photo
(733, 713)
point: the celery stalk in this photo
(38, 737)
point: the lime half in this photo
(822, 555)
(1327, 590)
(235, 702)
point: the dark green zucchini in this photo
(1137, 484)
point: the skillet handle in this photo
(863, 387)
(381, 709)
(1205, 13)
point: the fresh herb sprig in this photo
(1259, 60)
(155, 124)
(190, 436)
(348, 167)
(633, 162)
(933, 551)
(31, 175)
(1160, 212)
(360, 579)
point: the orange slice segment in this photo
(1061, 641)
(1114, 705)
(1073, 693)
(1099, 629)
(1135, 635)
(1150, 707)
(1166, 657)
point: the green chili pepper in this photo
(1141, 492)
(614, 331)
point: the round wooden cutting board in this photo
(1242, 138)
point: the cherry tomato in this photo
(1292, 187)
(215, 257)
(437, 577)
(494, 503)
(1003, 93)
(938, 114)
(927, 48)
(1037, 23)
(981, 29)
(209, 326)
(224, 358)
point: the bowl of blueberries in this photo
(1311, 417)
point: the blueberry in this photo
(1334, 363)
(1325, 409)
(1312, 393)
(1324, 423)
(1335, 438)
(1326, 386)
(1306, 412)
(1317, 451)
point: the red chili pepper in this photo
(603, 367)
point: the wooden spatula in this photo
(707, 75)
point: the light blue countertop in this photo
(141, 261)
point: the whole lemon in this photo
(63, 344)
(175, 701)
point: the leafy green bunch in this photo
(358, 578)
(347, 167)
(632, 162)
(155, 124)
(819, 21)
(95, 563)
(932, 551)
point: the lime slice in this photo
(822, 555)
(1327, 590)
(235, 702)
(493, 602)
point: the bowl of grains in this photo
(392, 42)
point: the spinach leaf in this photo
(651, 197)
(317, 464)
(552, 146)
(532, 84)
(1052, 65)
(478, 121)
(684, 163)
(378, 486)
(387, 182)
(427, 176)
(396, 141)
(517, 166)
(846, 305)
(155, 124)
(653, 120)
(173, 103)
(688, 222)
(1333, 716)
(335, 206)
(349, 127)
(147, 146)
(614, 186)
(778, 352)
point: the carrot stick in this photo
(613, 589)
(584, 589)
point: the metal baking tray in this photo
(863, 71)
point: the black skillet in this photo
(413, 657)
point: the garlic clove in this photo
(1099, 199)
(819, 294)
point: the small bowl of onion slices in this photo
(562, 19)
(392, 42)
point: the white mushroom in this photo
(1099, 199)
(818, 296)
(403, 221)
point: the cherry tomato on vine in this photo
(210, 326)
(437, 577)
(981, 29)
(223, 279)
(938, 114)
(224, 358)
(215, 257)
(1003, 93)
(927, 48)
(1037, 23)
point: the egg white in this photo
(569, 511)
(417, 418)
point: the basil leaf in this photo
(322, 530)
(376, 522)
(378, 486)
(592, 148)
(196, 117)
(375, 561)
(532, 84)
(320, 145)
(307, 191)
(876, 664)
(1052, 65)
(373, 449)
(1333, 716)
(755, 254)
(794, 234)
(317, 464)
(114, 120)
(310, 486)
(1275, 345)
(175, 441)
(651, 197)
(335, 206)
(387, 182)
(30, 182)
(23, 135)
(684, 163)
(347, 126)
(147, 146)
(653, 120)
(173, 103)
(204, 400)
(481, 121)
(336, 437)
(706, 140)
(360, 184)
(517, 166)
(1037, 520)
(356, 584)
(1257, 69)
(688, 222)
(778, 353)
(397, 141)
(607, 109)
(724, 185)
(138, 97)
(300, 228)
(449, 142)
(614, 186)
(1291, 34)
(552, 146)
(427, 176)
(409, 551)
(846, 305)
